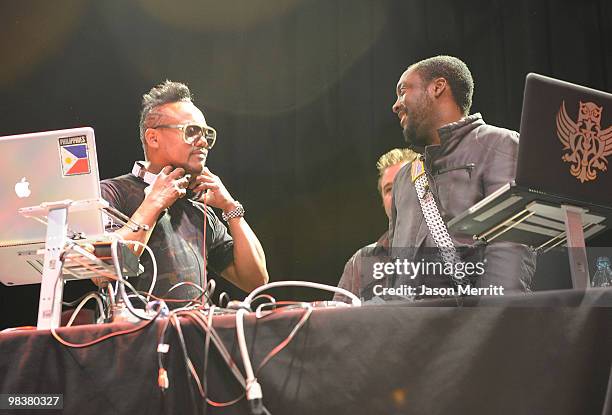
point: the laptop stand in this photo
(64, 258)
(540, 221)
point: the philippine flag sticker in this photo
(74, 156)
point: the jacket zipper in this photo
(469, 167)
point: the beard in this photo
(413, 140)
(194, 166)
(414, 132)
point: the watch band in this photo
(237, 212)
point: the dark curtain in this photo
(300, 92)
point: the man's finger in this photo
(182, 183)
(206, 186)
(166, 170)
(207, 179)
(178, 172)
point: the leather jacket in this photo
(472, 161)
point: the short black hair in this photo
(455, 71)
(164, 93)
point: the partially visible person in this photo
(358, 275)
(185, 234)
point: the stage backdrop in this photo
(299, 91)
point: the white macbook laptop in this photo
(42, 167)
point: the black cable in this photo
(186, 360)
(211, 334)
(205, 364)
(256, 407)
(225, 355)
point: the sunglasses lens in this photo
(210, 136)
(192, 133)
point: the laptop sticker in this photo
(586, 145)
(74, 155)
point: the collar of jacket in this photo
(459, 128)
(384, 240)
(450, 136)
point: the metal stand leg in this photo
(579, 264)
(52, 290)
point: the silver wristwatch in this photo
(236, 212)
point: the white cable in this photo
(253, 389)
(355, 300)
(113, 289)
(153, 262)
(111, 294)
(259, 312)
(211, 285)
(151, 255)
(82, 303)
(121, 287)
(242, 344)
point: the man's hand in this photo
(169, 186)
(248, 269)
(217, 195)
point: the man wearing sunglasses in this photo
(172, 192)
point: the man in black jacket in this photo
(464, 160)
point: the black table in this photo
(546, 353)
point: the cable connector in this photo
(162, 379)
(238, 305)
(254, 397)
(256, 407)
(253, 390)
(153, 307)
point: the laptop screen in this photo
(566, 141)
(44, 167)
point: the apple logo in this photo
(22, 188)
